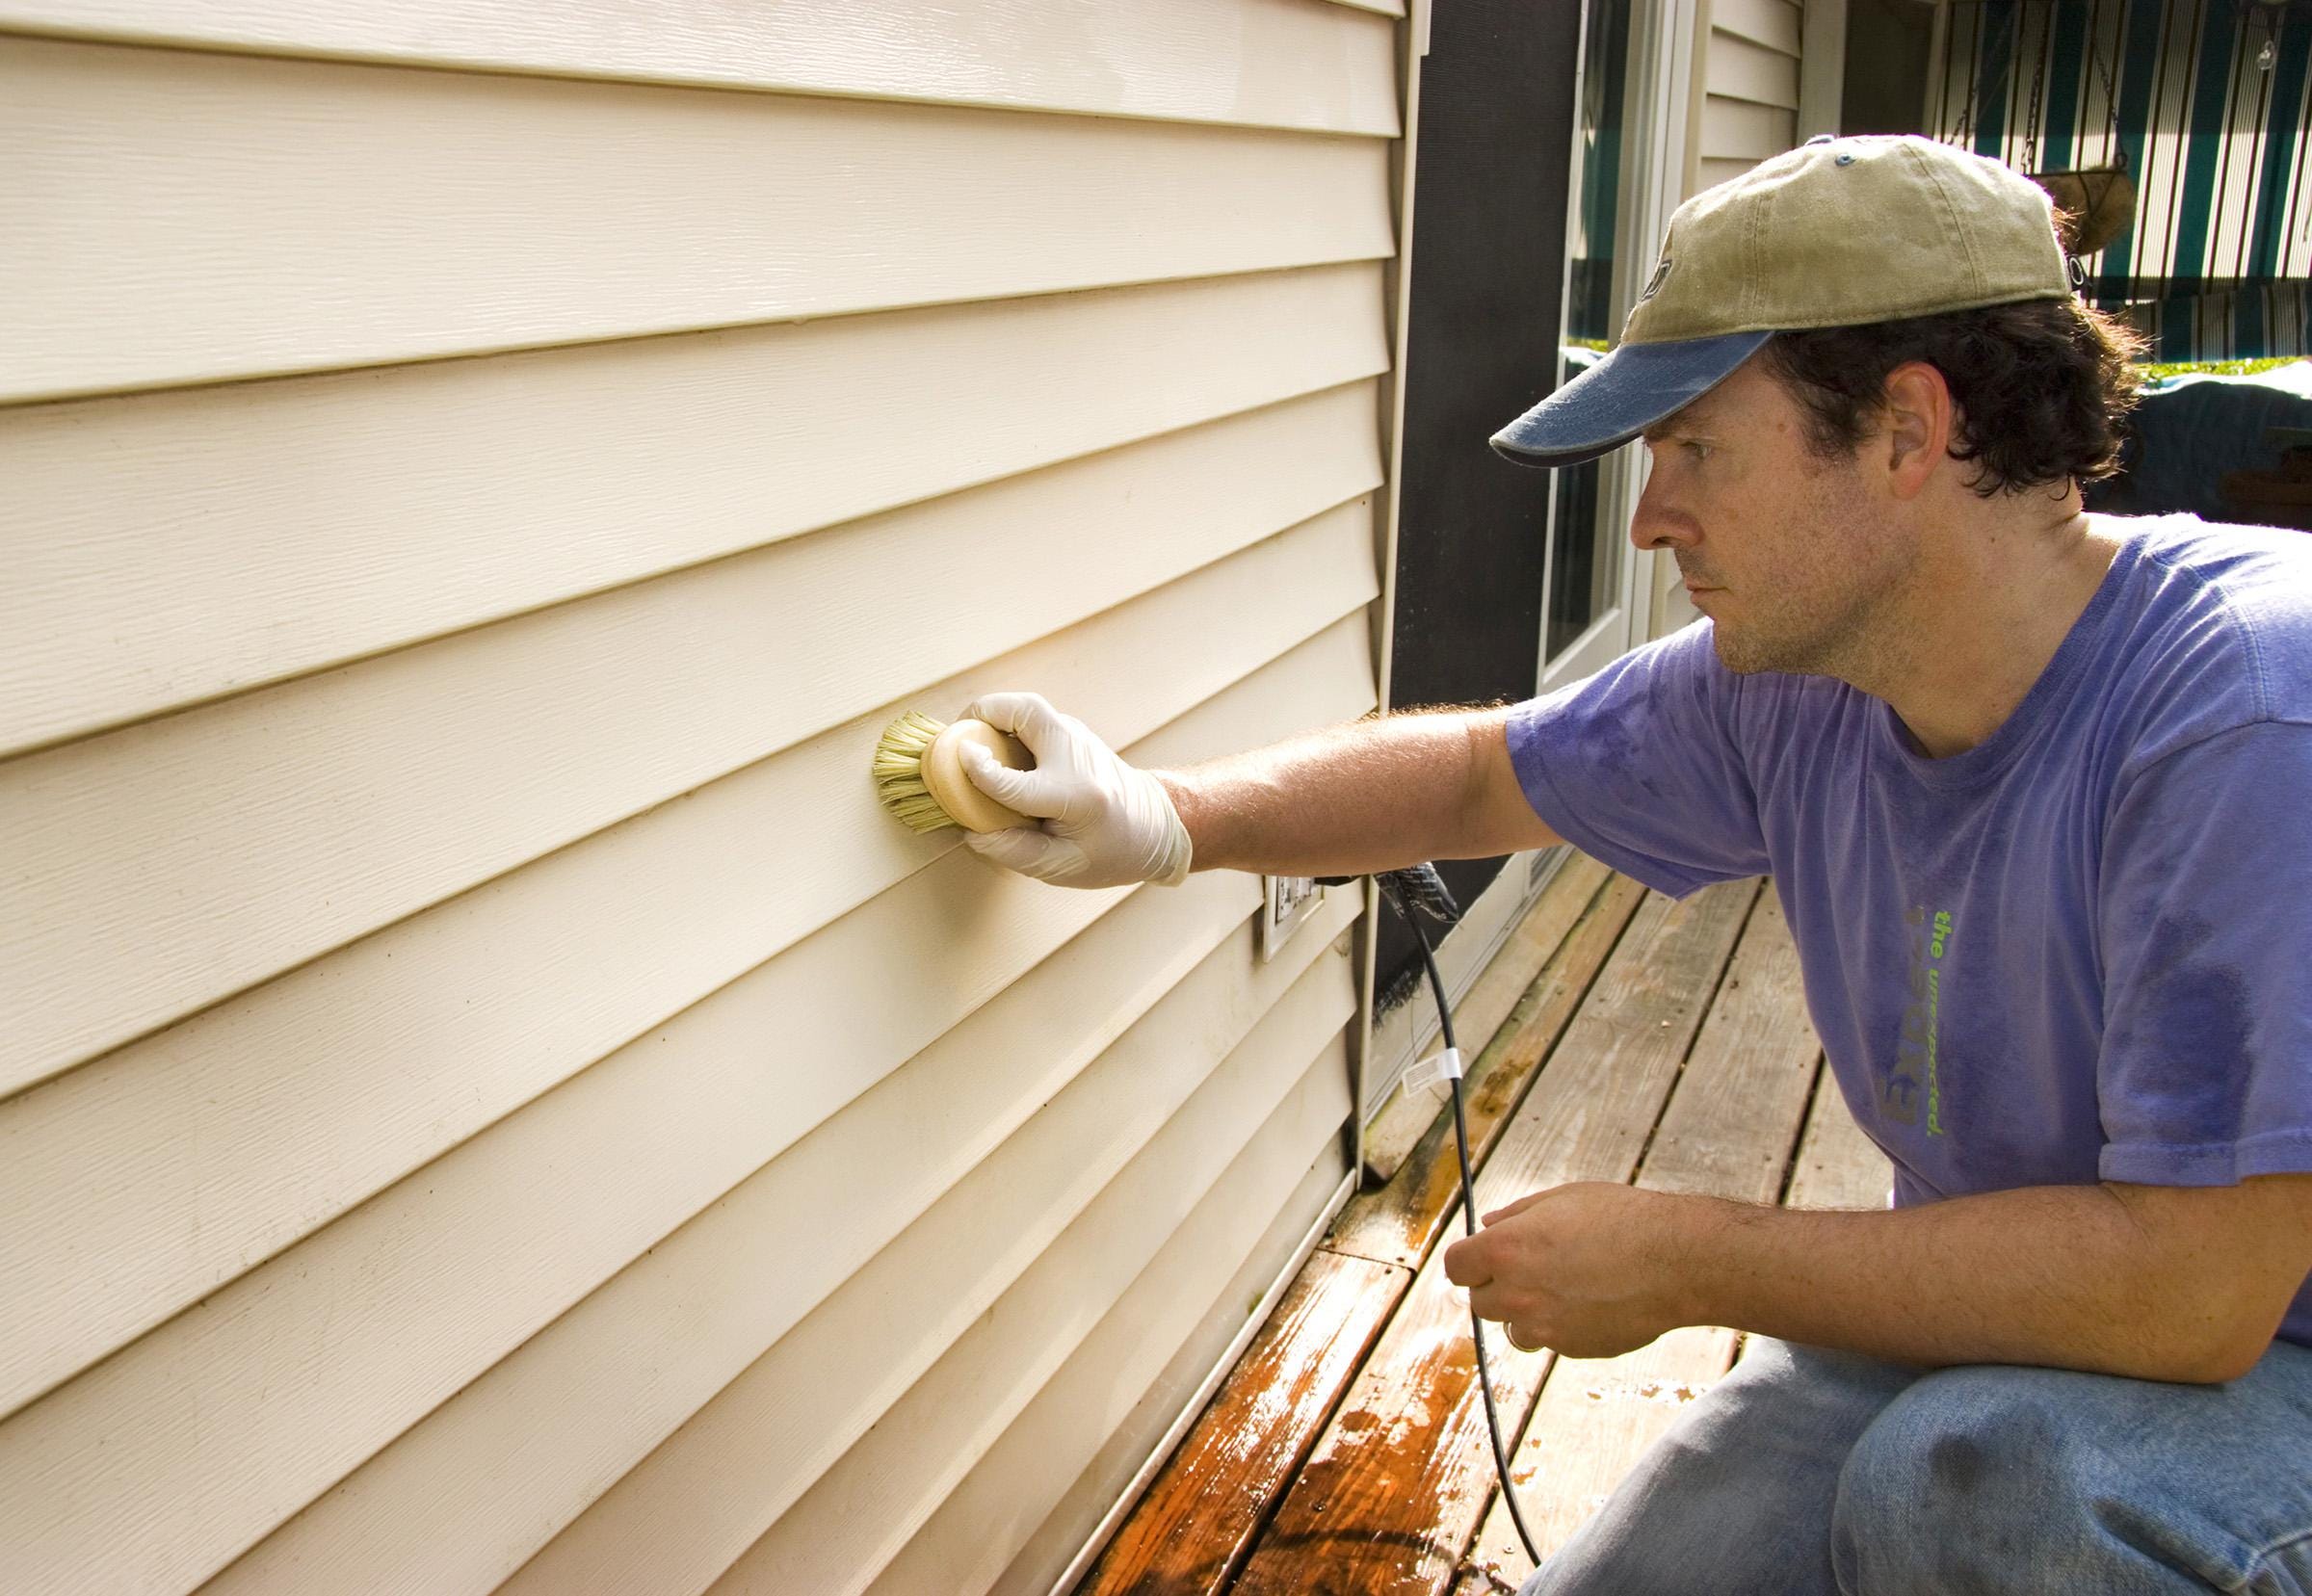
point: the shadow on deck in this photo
(1346, 1455)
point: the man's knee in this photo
(1984, 1480)
(1926, 1470)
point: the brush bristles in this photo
(899, 773)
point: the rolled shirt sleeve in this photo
(1639, 767)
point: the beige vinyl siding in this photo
(478, 1055)
(1775, 25)
(206, 852)
(251, 1124)
(331, 215)
(1288, 64)
(1091, 1488)
(181, 563)
(822, 1505)
(978, 1528)
(1753, 74)
(1748, 107)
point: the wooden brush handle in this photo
(953, 790)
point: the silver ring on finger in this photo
(1509, 1333)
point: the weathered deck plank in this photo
(1487, 1011)
(1734, 1117)
(1838, 1166)
(1728, 1131)
(1395, 1488)
(1399, 1222)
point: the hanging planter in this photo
(2093, 206)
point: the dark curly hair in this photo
(2042, 387)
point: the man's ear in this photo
(1920, 420)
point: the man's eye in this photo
(1698, 451)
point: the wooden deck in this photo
(1346, 1455)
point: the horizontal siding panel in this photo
(186, 217)
(168, 551)
(1204, 1355)
(1744, 71)
(1776, 24)
(169, 1458)
(699, 1499)
(1709, 174)
(163, 1462)
(186, 1158)
(176, 862)
(857, 1515)
(1187, 1294)
(1734, 130)
(1262, 62)
(460, 1500)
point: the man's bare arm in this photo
(2164, 1283)
(1372, 794)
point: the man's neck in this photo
(2001, 583)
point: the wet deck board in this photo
(1190, 1531)
(1202, 1512)
(1671, 1046)
(1395, 1488)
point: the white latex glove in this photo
(1103, 823)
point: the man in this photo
(2035, 789)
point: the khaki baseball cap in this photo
(1838, 232)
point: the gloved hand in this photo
(1104, 823)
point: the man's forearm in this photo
(1373, 795)
(2064, 1276)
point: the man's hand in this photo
(1104, 823)
(1590, 1270)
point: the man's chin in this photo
(1746, 654)
(1737, 653)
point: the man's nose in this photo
(1658, 524)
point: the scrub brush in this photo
(919, 773)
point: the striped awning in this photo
(2202, 103)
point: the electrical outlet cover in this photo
(1288, 901)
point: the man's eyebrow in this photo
(1676, 421)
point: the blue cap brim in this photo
(1621, 396)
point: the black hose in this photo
(1420, 888)
(1477, 1327)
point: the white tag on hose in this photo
(1437, 1067)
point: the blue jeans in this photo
(1807, 1471)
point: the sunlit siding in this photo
(487, 1094)
(1749, 105)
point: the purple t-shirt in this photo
(2081, 950)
